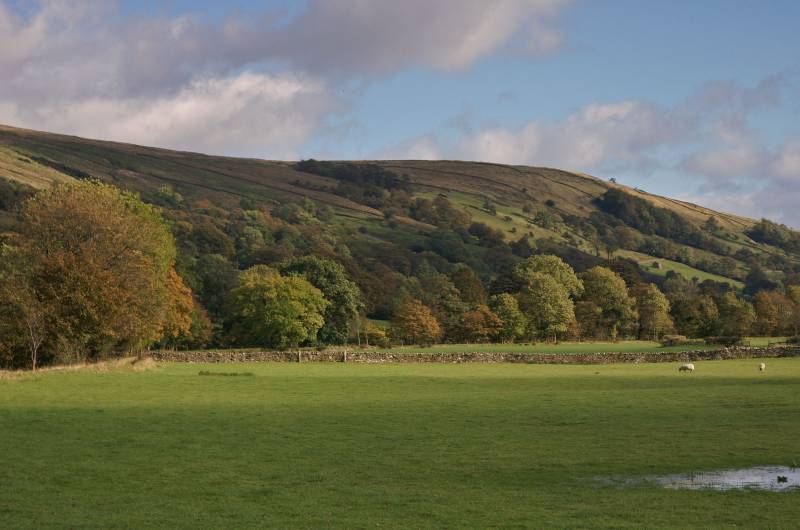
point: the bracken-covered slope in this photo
(562, 208)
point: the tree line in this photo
(88, 271)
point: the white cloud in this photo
(79, 67)
(776, 201)
(708, 131)
(786, 164)
(244, 114)
(742, 203)
(75, 67)
(707, 138)
(383, 36)
(596, 137)
(732, 154)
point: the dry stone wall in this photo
(367, 356)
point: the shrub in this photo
(673, 340)
(725, 340)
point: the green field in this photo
(343, 445)
(637, 346)
(646, 262)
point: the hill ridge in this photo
(550, 205)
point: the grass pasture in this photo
(565, 348)
(647, 263)
(343, 445)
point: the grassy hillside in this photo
(554, 208)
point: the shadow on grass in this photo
(226, 374)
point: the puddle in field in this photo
(769, 478)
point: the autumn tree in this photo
(793, 295)
(479, 325)
(653, 309)
(275, 311)
(343, 295)
(199, 335)
(787, 310)
(766, 306)
(506, 307)
(100, 263)
(438, 293)
(414, 323)
(373, 335)
(189, 325)
(606, 297)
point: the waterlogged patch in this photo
(769, 478)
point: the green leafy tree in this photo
(613, 305)
(343, 294)
(216, 279)
(547, 306)
(506, 307)
(793, 295)
(443, 298)
(736, 316)
(469, 285)
(276, 311)
(695, 316)
(552, 266)
(589, 319)
(653, 309)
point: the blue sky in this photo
(698, 100)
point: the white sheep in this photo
(762, 367)
(688, 367)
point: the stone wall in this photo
(367, 356)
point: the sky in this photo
(695, 100)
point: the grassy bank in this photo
(340, 445)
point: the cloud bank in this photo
(256, 86)
(708, 135)
(270, 85)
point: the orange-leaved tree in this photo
(414, 323)
(479, 325)
(100, 264)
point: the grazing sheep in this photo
(762, 367)
(688, 367)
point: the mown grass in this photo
(638, 346)
(559, 348)
(342, 445)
